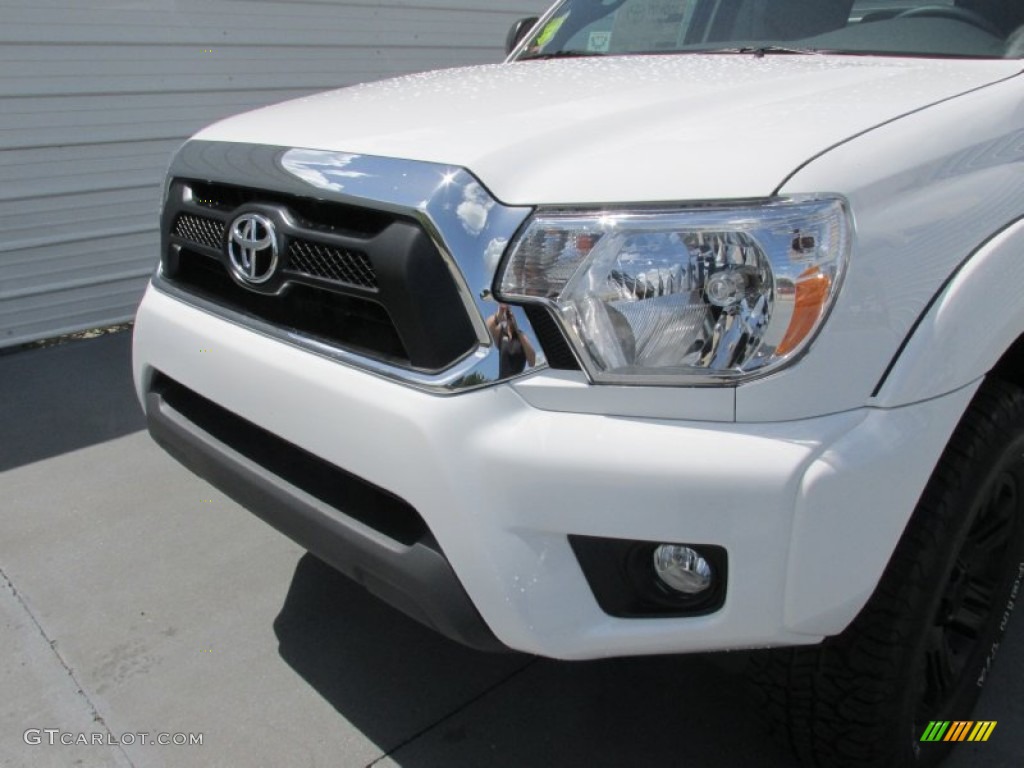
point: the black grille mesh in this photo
(200, 230)
(331, 263)
(552, 341)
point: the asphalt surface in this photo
(135, 599)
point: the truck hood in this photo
(618, 129)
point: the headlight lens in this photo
(702, 295)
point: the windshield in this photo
(949, 28)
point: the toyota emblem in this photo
(252, 248)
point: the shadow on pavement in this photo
(426, 701)
(66, 397)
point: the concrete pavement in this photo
(136, 599)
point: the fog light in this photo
(682, 569)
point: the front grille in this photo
(200, 230)
(305, 257)
(358, 279)
(337, 264)
(350, 322)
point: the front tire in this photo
(924, 645)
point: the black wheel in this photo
(924, 644)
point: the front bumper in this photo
(808, 511)
(294, 492)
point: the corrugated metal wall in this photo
(96, 94)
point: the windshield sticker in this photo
(549, 31)
(599, 41)
(652, 25)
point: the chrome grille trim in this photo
(460, 377)
(469, 228)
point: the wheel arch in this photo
(1010, 366)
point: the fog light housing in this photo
(682, 569)
(628, 582)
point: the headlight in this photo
(700, 296)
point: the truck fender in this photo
(845, 530)
(968, 326)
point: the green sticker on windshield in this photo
(549, 31)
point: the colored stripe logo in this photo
(958, 730)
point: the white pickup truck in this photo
(694, 325)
